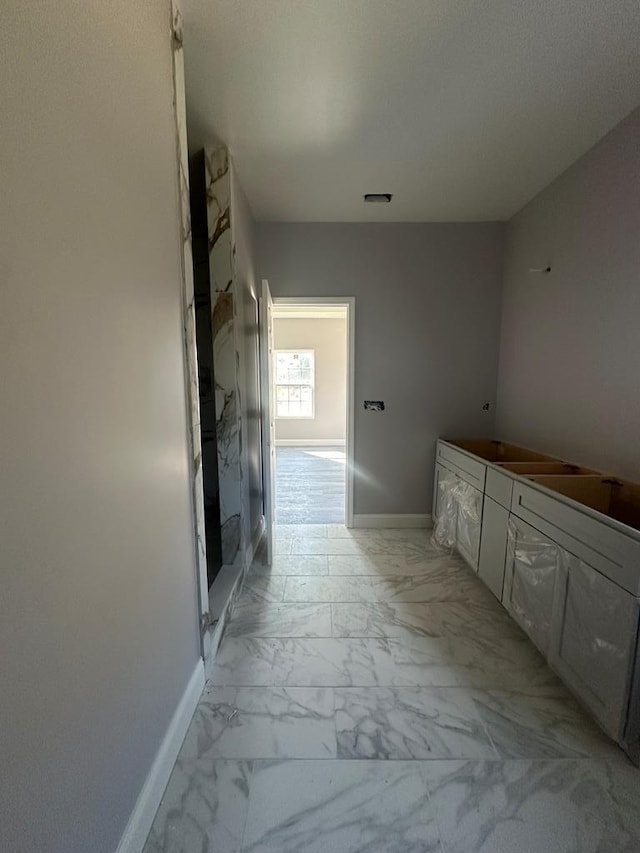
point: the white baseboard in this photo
(137, 829)
(392, 520)
(310, 442)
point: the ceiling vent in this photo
(381, 198)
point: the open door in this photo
(268, 416)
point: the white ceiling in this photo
(463, 109)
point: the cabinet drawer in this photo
(499, 487)
(610, 552)
(467, 468)
(593, 641)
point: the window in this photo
(294, 383)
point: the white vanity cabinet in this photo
(493, 541)
(559, 546)
(445, 518)
(531, 574)
(468, 468)
(457, 504)
(469, 523)
(593, 640)
(443, 480)
(493, 545)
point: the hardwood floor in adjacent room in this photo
(310, 485)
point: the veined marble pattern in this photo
(262, 722)
(218, 179)
(388, 725)
(227, 424)
(245, 661)
(541, 722)
(402, 620)
(447, 661)
(188, 308)
(340, 807)
(203, 808)
(222, 271)
(339, 531)
(391, 564)
(437, 586)
(286, 564)
(280, 620)
(413, 551)
(313, 662)
(535, 806)
(333, 661)
(421, 535)
(262, 586)
(409, 722)
(318, 545)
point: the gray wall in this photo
(98, 611)
(570, 349)
(427, 329)
(249, 379)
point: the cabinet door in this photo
(594, 639)
(439, 473)
(493, 546)
(532, 568)
(469, 522)
(446, 508)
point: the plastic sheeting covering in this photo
(469, 502)
(533, 565)
(596, 640)
(444, 528)
(459, 516)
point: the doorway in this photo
(308, 353)
(310, 380)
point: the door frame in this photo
(267, 421)
(348, 302)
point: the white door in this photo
(268, 416)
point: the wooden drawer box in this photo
(468, 469)
(602, 546)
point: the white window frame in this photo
(300, 350)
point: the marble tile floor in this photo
(370, 695)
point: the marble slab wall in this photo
(191, 356)
(226, 356)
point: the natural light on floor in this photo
(333, 455)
